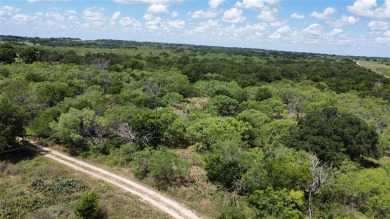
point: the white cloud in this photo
(324, 15)
(384, 39)
(344, 20)
(23, 18)
(277, 23)
(233, 15)
(255, 4)
(114, 18)
(157, 9)
(313, 30)
(284, 29)
(154, 23)
(378, 25)
(280, 33)
(275, 36)
(203, 14)
(71, 16)
(94, 17)
(336, 31)
(368, 8)
(297, 16)
(268, 15)
(54, 16)
(205, 26)
(215, 3)
(164, 2)
(177, 24)
(174, 14)
(34, 1)
(116, 15)
(148, 16)
(129, 22)
(8, 10)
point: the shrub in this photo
(88, 206)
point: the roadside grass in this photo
(376, 67)
(39, 188)
(199, 194)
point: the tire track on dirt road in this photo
(163, 203)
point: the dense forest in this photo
(237, 133)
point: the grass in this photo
(376, 67)
(199, 194)
(35, 187)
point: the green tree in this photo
(7, 53)
(51, 93)
(222, 170)
(272, 203)
(12, 118)
(262, 93)
(167, 168)
(173, 98)
(88, 206)
(73, 126)
(150, 125)
(254, 118)
(211, 130)
(40, 124)
(223, 106)
(334, 135)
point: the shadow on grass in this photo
(19, 152)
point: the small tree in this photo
(167, 168)
(12, 119)
(88, 206)
(223, 106)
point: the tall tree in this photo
(335, 135)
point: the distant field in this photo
(379, 68)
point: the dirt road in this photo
(163, 203)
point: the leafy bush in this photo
(88, 206)
(167, 168)
(272, 203)
(223, 106)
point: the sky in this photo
(341, 27)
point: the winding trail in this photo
(161, 202)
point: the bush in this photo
(167, 168)
(88, 206)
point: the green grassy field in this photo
(34, 187)
(376, 67)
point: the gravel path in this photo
(156, 199)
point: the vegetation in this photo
(35, 187)
(231, 132)
(12, 119)
(380, 66)
(88, 206)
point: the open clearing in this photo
(376, 67)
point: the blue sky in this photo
(345, 27)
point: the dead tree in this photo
(322, 173)
(100, 63)
(125, 132)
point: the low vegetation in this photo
(378, 66)
(239, 133)
(34, 187)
